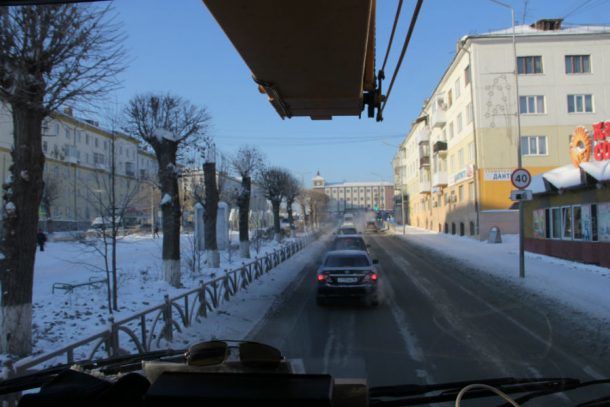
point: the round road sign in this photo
(521, 178)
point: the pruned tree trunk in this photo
(170, 210)
(290, 217)
(243, 203)
(275, 205)
(210, 214)
(22, 197)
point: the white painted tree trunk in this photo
(171, 272)
(212, 258)
(16, 328)
(244, 249)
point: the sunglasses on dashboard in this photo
(251, 354)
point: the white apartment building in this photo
(376, 195)
(78, 163)
(454, 166)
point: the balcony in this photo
(424, 186)
(424, 161)
(438, 117)
(439, 179)
(101, 166)
(422, 136)
(440, 148)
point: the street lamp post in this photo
(519, 152)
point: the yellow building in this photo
(78, 169)
(454, 165)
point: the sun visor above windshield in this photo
(311, 58)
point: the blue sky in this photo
(176, 46)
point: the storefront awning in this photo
(569, 176)
(600, 170)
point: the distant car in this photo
(347, 230)
(371, 226)
(348, 273)
(349, 242)
(348, 218)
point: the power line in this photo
(402, 54)
(387, 52)
(584, 3)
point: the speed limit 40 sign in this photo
(521, 178)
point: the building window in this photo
(461, 193)
(467, 77)
(580, 103)
(45, 146)
(67, 132)
(577, 214)
(450, 131)
(556, 223)
(566, 222)
(578, 64)
(471, 191)
(449, 98)
(471, 152)
(461, 228)
(461, 158)
(459, 123)
(531, 105)
(469, 113)
(529, 65)
(97, 142)
(87, 139)
(533, 145)
(456, 88)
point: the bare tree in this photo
(318, 204)
(170, 125)
(111, 197)
(302, 199)
(105, 203)
(246, 163)
(273, 182)
(51, 56)
(210, 208)
(291, 191)
(51, 191)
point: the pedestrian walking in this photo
(41, 239)
(156, 231)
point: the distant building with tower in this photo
(374, 195)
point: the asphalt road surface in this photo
(438, 321)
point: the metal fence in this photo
(145, 330)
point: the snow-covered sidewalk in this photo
(581, 286)
(61, 318)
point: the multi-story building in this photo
(377, 195)
(454, 166)
(78, 172)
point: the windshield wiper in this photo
(414, 394)
(109, 366)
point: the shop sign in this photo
(499, 174)
(601, 137)
(463, 174)
(582, 147)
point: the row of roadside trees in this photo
(70, 55)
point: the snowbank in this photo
(582, 286)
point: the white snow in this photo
(25, 175)
(581, 286)
(564, 177)
(62, 318)
(161, 133)
(167, 199)
(237, 318)
(10, 207)
(600, 170)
